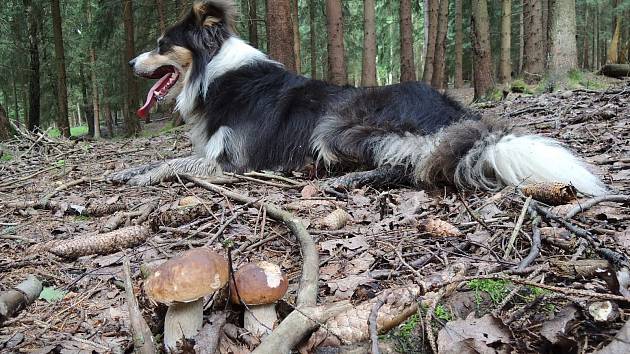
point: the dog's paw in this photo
(145, 179)
(126, 175)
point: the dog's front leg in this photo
(168, 170)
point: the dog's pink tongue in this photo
(144, 110)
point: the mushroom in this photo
(259, 285)
(181, 283)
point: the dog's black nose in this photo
(132, 62)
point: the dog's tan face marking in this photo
(180, 58)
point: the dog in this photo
(248, 113)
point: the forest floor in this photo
(570, 297)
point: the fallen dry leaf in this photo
(486, 335)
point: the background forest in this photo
(63, 62)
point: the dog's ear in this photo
(209, 13)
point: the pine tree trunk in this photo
(295, 13)
(407, 67)
(368, 75)
(545, 6)
(313, 39)
(280, 33)
(613, 49)
(482, 54)
(33, 123)
(505, 64)
(439, 59)
(5, 125)
(159, 5)
(431, 10)
(563, 44)
(533, 61)
(252, 22)
(107, 111)
(62, 91)
(521, 39)
(336, 53)
(16, 105)
(132, 125)
(586, 52)
(95, 97)
(459, 47)
(595, 61)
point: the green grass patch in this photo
(406, 329)
(496, 289)
(6, 157)
(520, 86)
(82, 218)
(74, 131)
(443, 313)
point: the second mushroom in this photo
(258, 286)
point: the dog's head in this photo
(184, 50)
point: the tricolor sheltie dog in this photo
(248, 113)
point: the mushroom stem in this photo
(260, 319)
(183, 321)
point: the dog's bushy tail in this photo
(483, 154)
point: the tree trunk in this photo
(586, 52)
(595, 60)
(482, 54)
(159, 4)
(563, 44)
(313, 39)
(280, 33)
(95, 98)
(368, 75)
(107, 111)
(252, 22)
(439, 59)
(459, 47)
(407, 67)
(132, 125)
(62, 91)
(5, 126)
(505, 64)
(613, 49)
(533, 61)
(521, 39)
(431, 9)
(16, 105)
(33, 82)
(545, 21)
(295, 17)
(336, 53)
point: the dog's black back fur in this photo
(277, 111)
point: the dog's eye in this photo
(162, 47)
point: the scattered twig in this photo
(534, 250)
(240, 334)
(517, 228)
(141, 333)
(597, 200)
(372, 325)
(207, 341)
(429, 316)
(256, 180)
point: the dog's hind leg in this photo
(127, 174)
(382, 176)
(168, 170)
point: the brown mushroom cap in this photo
(194, 274)
(259, 284)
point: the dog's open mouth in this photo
(167, 76)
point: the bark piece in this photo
(12, 301)
(551, 193)
(106, 243)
